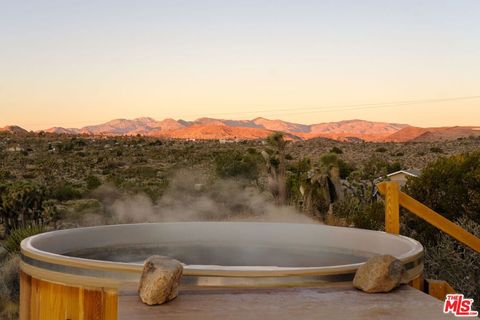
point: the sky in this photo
(75, 63)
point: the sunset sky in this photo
(74, 63)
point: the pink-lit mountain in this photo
(210, 128)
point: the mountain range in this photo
(259, 128)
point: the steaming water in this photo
(197, 254)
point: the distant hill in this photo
(406, 134)
(432, 134)
(259, 128)
(13, 130)
(279, 125)
(215, 131)
(211, 128)
(357, 127)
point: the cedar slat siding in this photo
(44, 300)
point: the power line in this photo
(343, 107)
(317, 109)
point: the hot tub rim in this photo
(27, 249)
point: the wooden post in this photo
(392, 208)
(417, 283)
(439, 289)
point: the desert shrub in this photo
(450, 186)
(345, 168)
(64, 191)
(436, 150)
(361, 214)
(65, 147)
(336, 150)
(5, 174)
(237, 164)
(381, 149)
(455, 263)
(393, 167)
(93, 182)
(12, 242)
(110, 165)
(329, 160)
(75, 212)
(78, 142)
(8, 309)
(156, 142)
(141, 172)
(9, 288)
(21, 203)
(82, 212)
(28, 176)
(50, 212)
(376, 168)
(371, 217)
(347, 208)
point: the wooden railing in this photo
(394, 198)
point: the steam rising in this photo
(191, 197)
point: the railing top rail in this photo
(432, 217)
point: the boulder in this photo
(160, 280)
(379, 274)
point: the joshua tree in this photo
(319, 192)
(330, 166)
(276, 167)
(321, 186)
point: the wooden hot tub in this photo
(76, 273)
